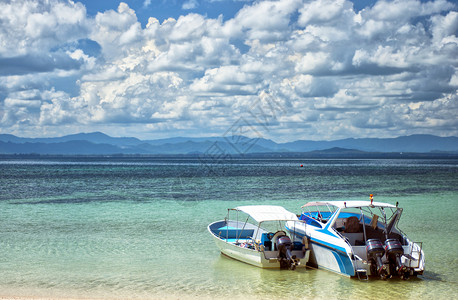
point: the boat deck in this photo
(248, 236)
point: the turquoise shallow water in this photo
(136, 228)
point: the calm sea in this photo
(136, 227)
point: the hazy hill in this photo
(93, 137)
(100, 143)
(412, 143)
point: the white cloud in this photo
(403, 10)
(116, 31)
(30, 27)
(229, 80)
(264, 20)
(146, 3)
(190, 4)
(313, 62)
(324, 12)
(386, 70)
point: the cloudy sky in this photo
(284, 70)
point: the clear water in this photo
(136, 227)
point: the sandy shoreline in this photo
(152, 297)
(42, 298)
(83, 298)
(157, 297)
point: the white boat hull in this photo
(331, 260)
(330, 252)
(257, 257)
(245, 255)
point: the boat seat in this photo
(268, 245)
(236, 240)
(233, 233)
(266, 241)
(352, 225)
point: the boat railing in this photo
(346, 239)
(415, 248)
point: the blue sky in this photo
(162, 9)
(283, 70)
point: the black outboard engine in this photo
(375, 251)
(284, 246)
(394, 251)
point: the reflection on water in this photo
(242, 280)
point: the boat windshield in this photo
(319, 212)
(382, 216)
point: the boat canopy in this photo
(349, 204)
(262, 213)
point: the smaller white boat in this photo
(264, 244)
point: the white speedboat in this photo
(358, 239)
(264, 244)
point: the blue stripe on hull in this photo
(328, 245)
(344, 262)
(320, 242)
(345, 265)
(340, 255)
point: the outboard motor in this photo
(284, 246)
(375, 251)
(394, 251)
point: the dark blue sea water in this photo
(136, 227)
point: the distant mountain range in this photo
(98, 143)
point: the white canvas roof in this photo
(262, 213)
(349, 203)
